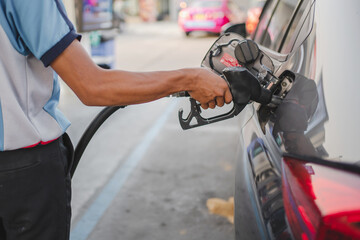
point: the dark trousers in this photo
(35, 192)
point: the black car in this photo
(298, 170)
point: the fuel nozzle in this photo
(245, 87)
(248, 72)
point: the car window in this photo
(264, 20)
(237, 12)
(302, 16)
(257, 3)
(279, 24)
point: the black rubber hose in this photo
(89, 133)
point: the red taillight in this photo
(321, 202)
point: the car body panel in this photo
(317, 120)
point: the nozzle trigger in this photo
(195, 112)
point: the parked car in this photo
(204, 15)
(298, 170)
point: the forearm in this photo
(116, 87)
(96, 86)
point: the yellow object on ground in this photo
(222, 207)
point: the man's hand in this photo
(209, 89)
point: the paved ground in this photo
(143, 177)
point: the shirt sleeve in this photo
(42, 26)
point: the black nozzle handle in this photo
(195, 112)
(245, 87)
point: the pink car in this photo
(204, 15)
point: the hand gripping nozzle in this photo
(246, 69)
(244, 87)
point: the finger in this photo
(228, 97)
(219, 101)
(205, 106)
(212, 104)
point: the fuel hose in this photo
(89, 133)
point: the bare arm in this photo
(100, 87)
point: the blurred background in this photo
(142, 176)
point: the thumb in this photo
(228, 96)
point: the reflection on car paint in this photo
(268, 189)
(290, 120)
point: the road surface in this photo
(142, 177)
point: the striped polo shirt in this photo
(32, 34)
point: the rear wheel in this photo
(187, 34)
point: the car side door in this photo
(278, 32)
